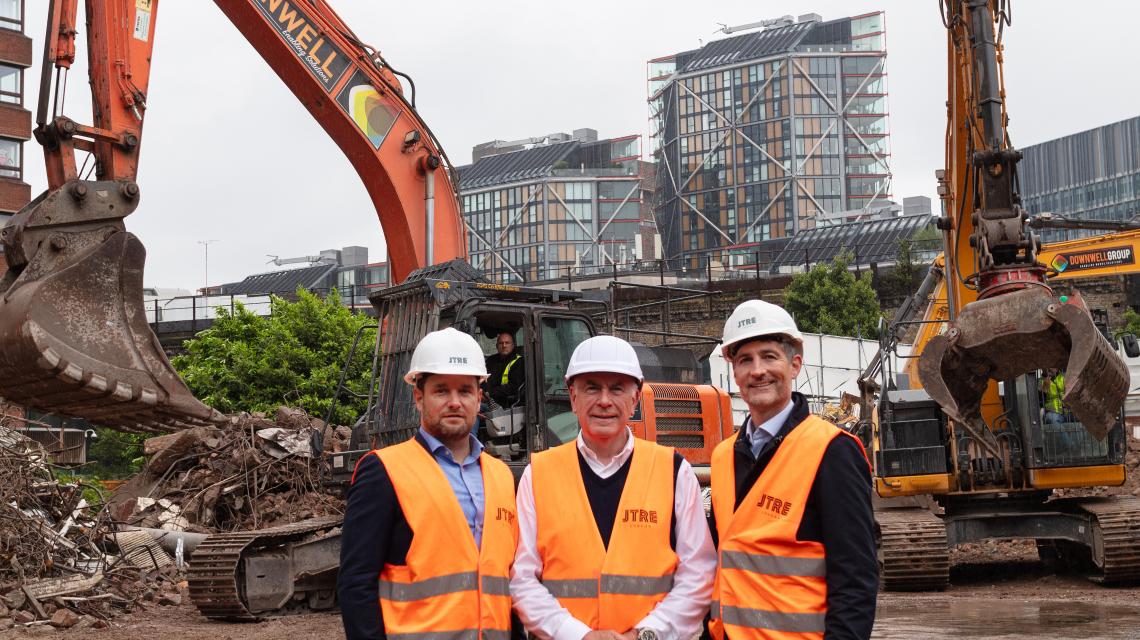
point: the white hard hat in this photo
(754, 318)
(604, 354)
(447, 351)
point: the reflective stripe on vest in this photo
(507, 369)
(449, 589)
(614, 587)
(462, 634)
(768, 582)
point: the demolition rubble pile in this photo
(252, 474)
(67, 563)
(61, 564)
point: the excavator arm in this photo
(1004, 319)
(73, 333)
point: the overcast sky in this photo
(229, 155)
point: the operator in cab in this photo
(430, 529)
(613, 539)
(791, 497)
(506, 373)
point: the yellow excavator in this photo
(963, 447)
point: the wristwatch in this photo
(645, 633)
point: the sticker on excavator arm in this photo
(142, 20)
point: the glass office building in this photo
(755, 135)
(555, 205)
(1093, 175)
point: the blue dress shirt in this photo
(466, 479)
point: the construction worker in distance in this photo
(791, 497)
(430, 529)
(613, 540)
(506, 372)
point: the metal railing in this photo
(198, 312)
(742, 265)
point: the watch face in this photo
(646, 634)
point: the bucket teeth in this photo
(74, 340)
(1003, 337)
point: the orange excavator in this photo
(73, 333)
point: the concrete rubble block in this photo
(64, 619)
(24, 617)
(174, 446)
(292, 418)
(52, 587)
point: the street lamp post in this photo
(206, 246)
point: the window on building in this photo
(11, 81)
(10, 163)
(12, 14)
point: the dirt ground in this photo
(982, 575)
(978, 576)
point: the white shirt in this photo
(677, 617)
(758, 436)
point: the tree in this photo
(830, 299)
(1131, 322)
(294, 356)
(909, 270)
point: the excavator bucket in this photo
(74, 337)
(1008, 335)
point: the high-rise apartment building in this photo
(754, 135)
(536, 208)
(1092, 175)
(15, 120)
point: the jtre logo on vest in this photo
(639, 516)
(505, 514)
(773, 506)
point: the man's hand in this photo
(630, 635)
(604, 635)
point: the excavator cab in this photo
(547, 326)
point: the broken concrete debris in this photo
(71, 562)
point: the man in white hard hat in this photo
(791, 498)
(612, 535)
(430, 529)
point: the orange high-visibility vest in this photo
(614, 587)
(449, 588)
(769, 584)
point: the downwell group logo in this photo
(1095, 259)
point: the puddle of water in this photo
(1005, 619)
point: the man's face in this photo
(505, 345)
(603, 403)
(765, 375)
(448, 405)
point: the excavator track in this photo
(913, 550)
(215, 567)
(1116, 539)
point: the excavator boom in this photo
(73, 333)
(1005, 320)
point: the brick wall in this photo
(15, 121)
(15, 48)
(14, 194)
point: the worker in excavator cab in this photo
(430, 527)
(791, 497)
(1053, 389)
(613, 539)
(505, 372)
